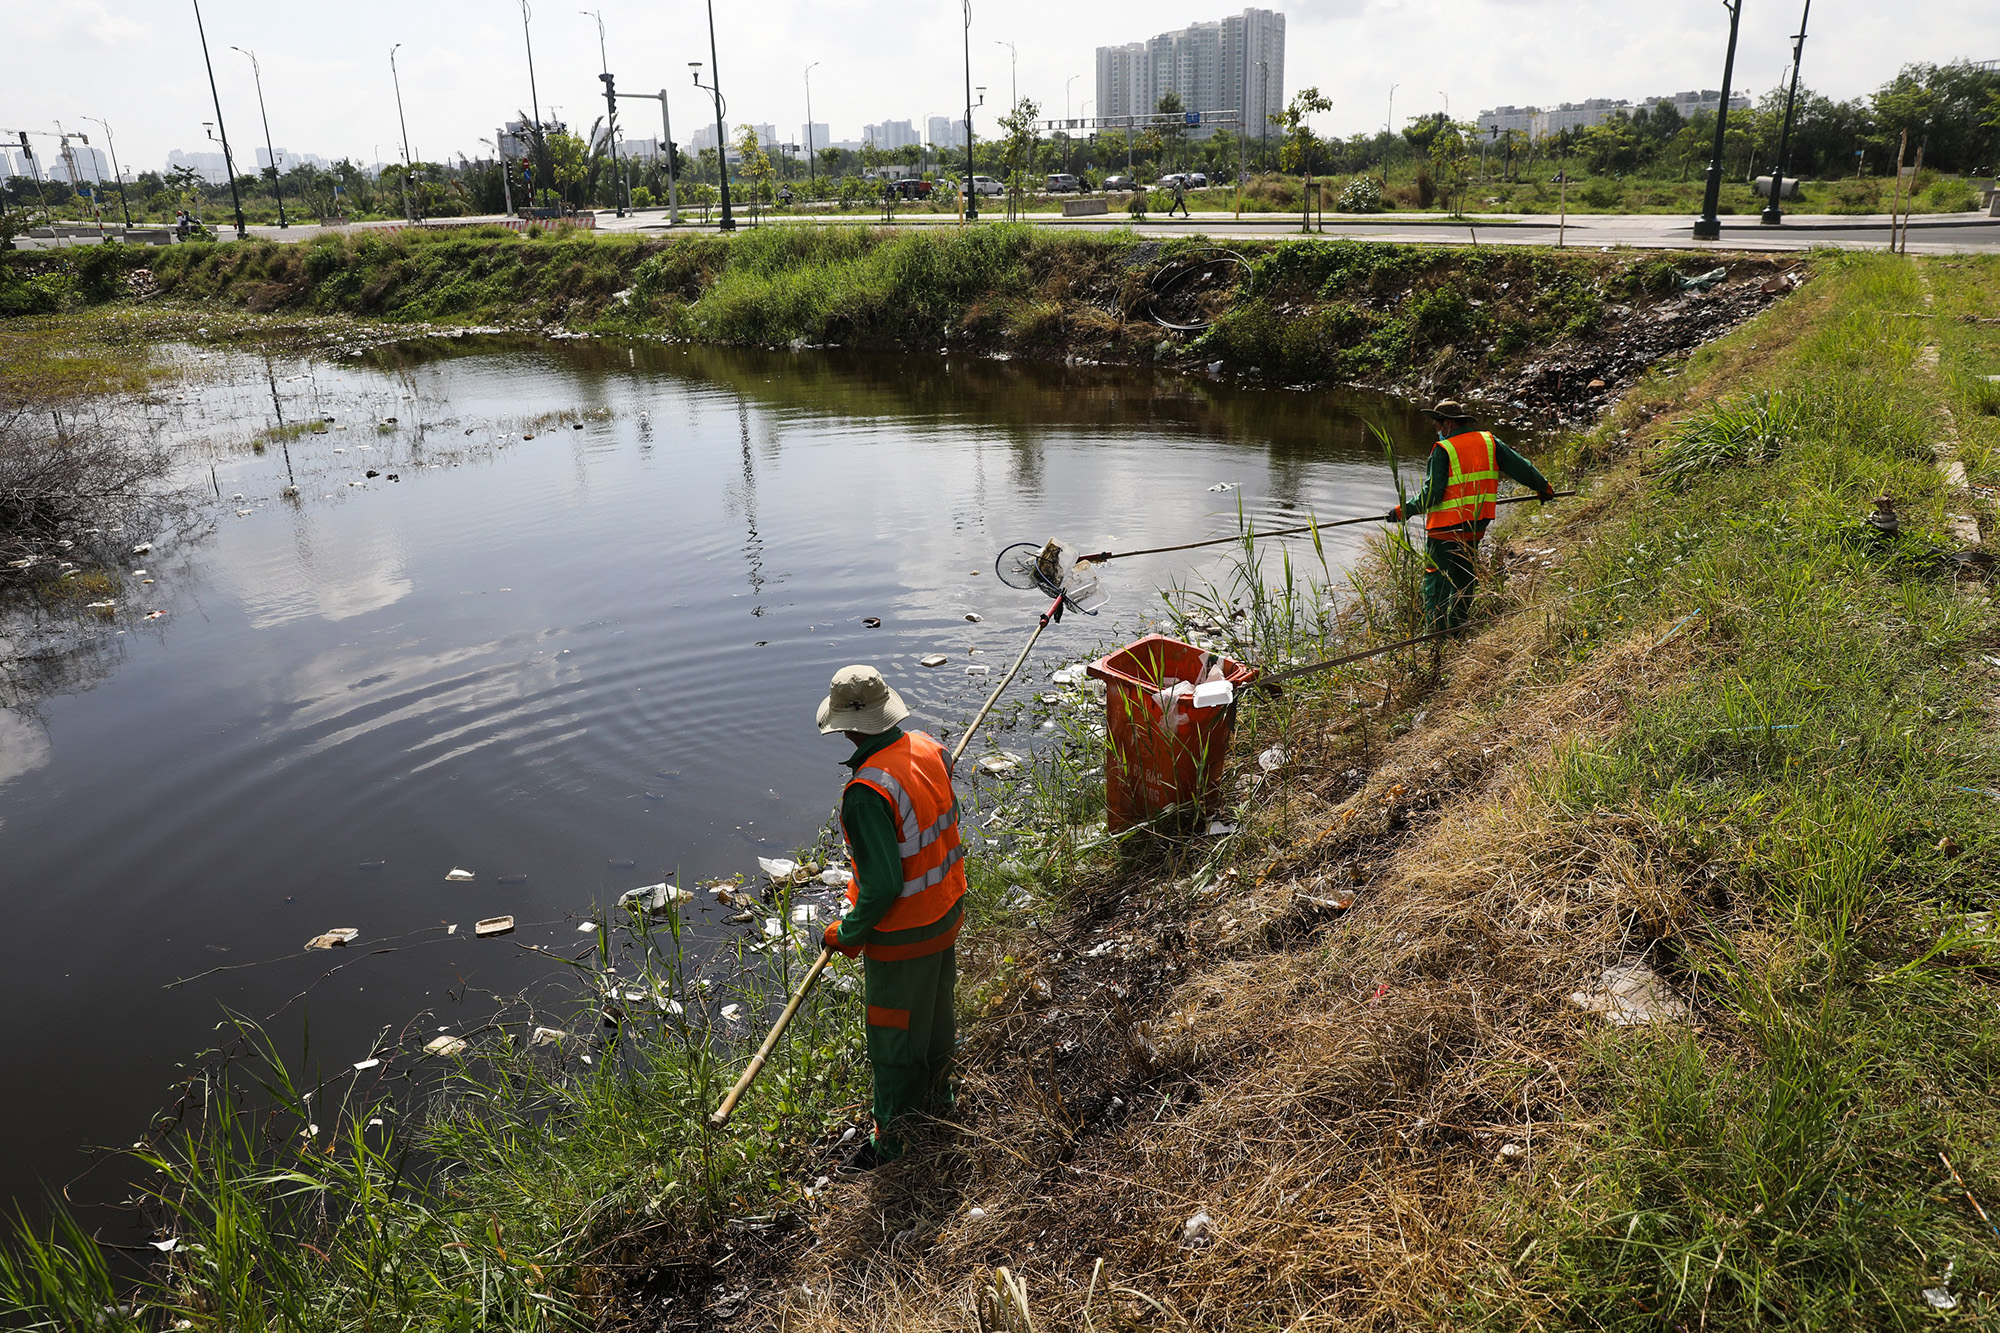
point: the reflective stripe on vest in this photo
(914, 776)
(1470, 490)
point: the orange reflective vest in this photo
(1466, 507)
(914, 776)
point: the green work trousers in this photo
(912, 1026)
(1451, 576)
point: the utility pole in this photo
(534, 98)
(397, 79)
(258, 73)
(1774, 212)
(112, 144)
(727, 222)
(667, 146)
(1708, 227)
(610, 111)
(506, 178)
(1389, 128)
(812, 170)
(228, 162)
(971, 199)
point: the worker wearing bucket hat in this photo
(1461, 482)
(900, 817)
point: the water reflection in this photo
(549, 657)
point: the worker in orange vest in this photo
(900, 818)
(1461, 482)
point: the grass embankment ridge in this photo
(1557, 333)
(1757, 753)
(1732, 734)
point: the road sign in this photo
(1194, 117)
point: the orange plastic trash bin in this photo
(1163, 751)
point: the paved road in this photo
(1956, 233)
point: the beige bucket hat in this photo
(860, 700)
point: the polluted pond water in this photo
(483, 634)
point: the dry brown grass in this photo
(1333, 1090)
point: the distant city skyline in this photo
(464, 70)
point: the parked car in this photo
(912, 188)
(1116, 183)
(1061, 182)
(986, 185)
(1197, 180)
(1168, 181)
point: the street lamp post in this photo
(397, 79)
(112, 144)
(1389, 128)
(1709, 226)
(971, 199)
(1013, 73)
(257, 72)
(727, 222)
(228, 162)
(610, 110)
(1774, 212)
(1067, 136)
(812, 153)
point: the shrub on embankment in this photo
(1415, 317)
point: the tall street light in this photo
(971, 198)
(398, 80)
(1068, 137)
(727, 222)
(610, 110)
(258, 73)
(1708, 227)
(112, 144)
(1388, 128)
(812, 170)
(1774, 213)
(534, 97)
(228, 162)
(1013, 74)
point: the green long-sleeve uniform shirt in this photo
(1437, 477)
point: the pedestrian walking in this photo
(1461, 482)
(1180, 197)
(899, 815)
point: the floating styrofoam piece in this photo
(333, 939)
(100, 606)
(932, 660)
(731, 1012)
(446, 1045)
(458, 875)
(804, 913)
(773, 928)
(978, 669)
(494, 925)
(585, 927)
(1225, 486)
(546, 1036)
(999, 763)
(653, 897)
(778, 867)
(836, 878)
(143, 548)
(370, 1063)
(974, 617)
(1633, 995)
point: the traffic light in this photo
(26, 151)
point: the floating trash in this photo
(585, 927)
(1224, 486)
(446, 1045)
(143, 548)
(370, 1063)
(333, 939)
(653, 897)
(773, 928)
(872, 622)
(978, 669)
(546, 1036)
(155, 615)
(1000, 763)
(494, 925)
(459, 876)
(836, 878)
(100, 606)
(731, 1012)
(932, 660)
(777, 867)
(974, 617)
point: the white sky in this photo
(137, 63)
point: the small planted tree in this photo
(1020, 136)
(1300, 148)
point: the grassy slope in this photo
(1756, 800)
(1755, 803)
